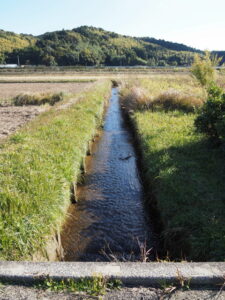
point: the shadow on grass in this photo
(188, 183)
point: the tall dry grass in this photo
(135, 98)
(175, 100)
(166, 94)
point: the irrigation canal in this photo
(109, 221)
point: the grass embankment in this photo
(37, 166)
(186, 176)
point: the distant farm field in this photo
(13, 117)
(9, 90)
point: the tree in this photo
(203, 68)
(211, 117)
(2, 58)
(49, 60)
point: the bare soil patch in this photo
(12, 117)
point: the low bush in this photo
(211, 118)
(37, 99)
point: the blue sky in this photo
(197, 23)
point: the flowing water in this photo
(109, 220)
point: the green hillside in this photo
(90, 46)
(10, 41)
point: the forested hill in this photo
(220, 54)
(169, 45)
(90, 46)
(10, 41)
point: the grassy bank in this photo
(185, 175)
(37, 166)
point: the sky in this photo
(196, 23)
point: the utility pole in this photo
(18, 61)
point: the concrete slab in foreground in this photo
(144, 274)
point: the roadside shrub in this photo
(175, 100)
(211, 118)
(37, 99)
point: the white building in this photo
(9, 66)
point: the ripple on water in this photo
(109, 218)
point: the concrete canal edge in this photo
(134, 274)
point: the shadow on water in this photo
(109, 220)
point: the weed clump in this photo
(37, 99)
(98, 285)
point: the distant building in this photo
(9, 66)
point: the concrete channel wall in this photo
(135, 274)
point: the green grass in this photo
(184, 171)
(187, 177)
(37, 166)
(98, 285)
